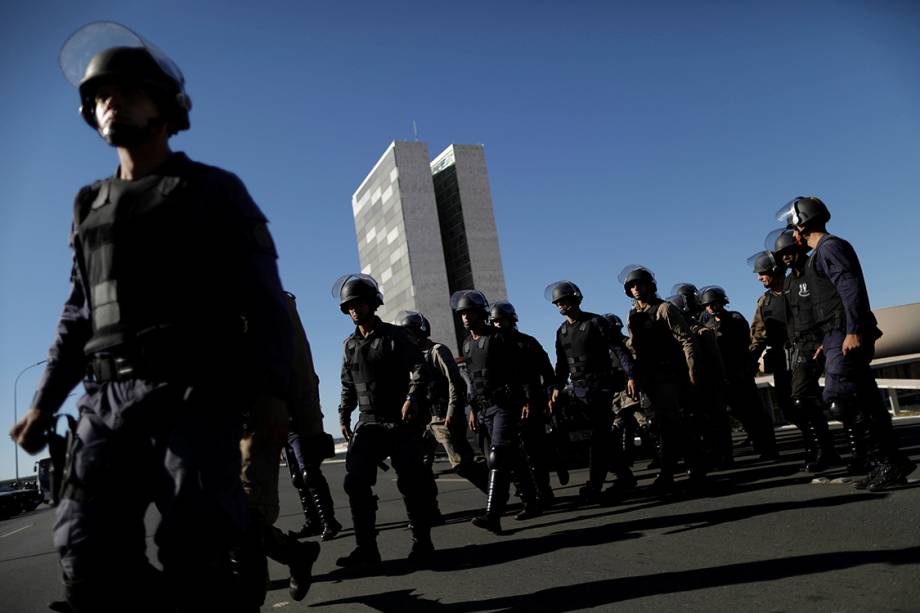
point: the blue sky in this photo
(658, 133)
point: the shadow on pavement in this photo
(623, 589)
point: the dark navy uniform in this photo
(534, 438)
(841, 307)
(498, 393)
(379, 373)
(583, 354)
(177, 314)
(806, 368)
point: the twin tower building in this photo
(426, 229)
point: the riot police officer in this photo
(692, 310)
(625, 407)
(706, 400)
(768, 336)
(666, 364)
(177, 314)
(307, 442)
(444, 397)
(734, 336)
(382, 375)
(499, 399)
(584, 342)
(540, 376)
(841, 305)
(807, 362)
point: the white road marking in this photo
(3, 536)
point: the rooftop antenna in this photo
(415, 130)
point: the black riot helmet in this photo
(690, 297)
(352, 287)
(615, 322)
(685, 289)
(555, 292)
(680, 301)
(503, 310)
(712, 294)
(469, 300)
(805, 211)
(107, 52)
(780, 240)
(764, 263)
(633, 274)
(415, 322)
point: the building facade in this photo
(426, 229)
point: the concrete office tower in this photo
(406, 232)
(471, 255)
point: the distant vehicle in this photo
(15, 501)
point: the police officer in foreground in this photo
(444, 399)
(841, 305)
(540, 376)
(176, 324)
(382, 375)
(666, 365)
(806, 362)
(734, 335)
(584, 342)
(499, 399)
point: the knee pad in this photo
(357, 488)
(501, 457)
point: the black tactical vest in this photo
(491, 361)
(378, 371)
(800, 316)
(657, 351)
(825, 301)
(773, 310)
(734, 336)
(587, 350)
(156, 260)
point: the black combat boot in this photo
(298, 557)
(664, 481)
(527, 489)
(625, 481)
(810, 439)
(859, 459)
(890, 472)
(322, 502)
(499, 485)
(365, 557)
(422, 548)
(825, 456)
(312, 525)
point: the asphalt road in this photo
(765, 539)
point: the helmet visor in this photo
(561, 289)
(468, 299)
(341, 281)
(762, 262)
(788, 213)
(84, 44)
